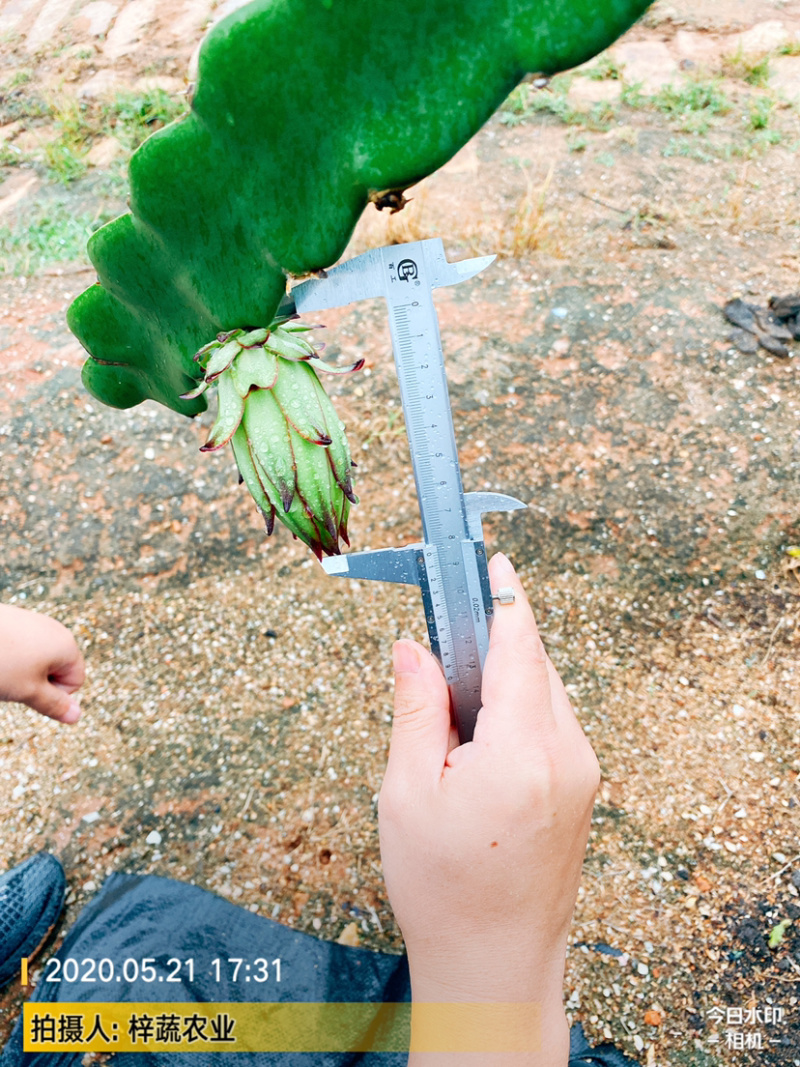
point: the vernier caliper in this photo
(449, 564)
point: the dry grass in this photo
(533, 227)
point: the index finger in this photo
(516, 682)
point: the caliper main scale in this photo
(449, 564)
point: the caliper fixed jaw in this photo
(362, 278)
(399, 565)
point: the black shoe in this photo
(581, 1054)
(31, 899)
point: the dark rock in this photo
(741, 314)
(749, 933)
(757, 324)
(771, 325)
(785, 307)
(744, 340)
(772, 344)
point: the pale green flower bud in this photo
(289, 443)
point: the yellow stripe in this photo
(347, 1027)
(24, 975)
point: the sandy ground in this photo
(238, 701)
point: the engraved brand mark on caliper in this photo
(449, 564)
(406, 270)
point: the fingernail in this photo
(73, 712)
(405, 658)
(503, 566)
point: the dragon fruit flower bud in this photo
(288, 442)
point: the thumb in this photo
(421, 724)
(56, 702)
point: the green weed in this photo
(760, 113)
(691, 105)
(605, 69)
(751, 69)
(132, 117)
(51, 234)
(601, 116)
(577, 142)
(758, 74)
(11, 156)
(696, 122)
(791, 48)
(112, 184)
(64, 157)
(692, 96)
(514, 109)
(688, 149)
(19, 103)
(752, 145)
(766, 138)
(64, 163)
(525, 102)
(19, 77)
(632, 95)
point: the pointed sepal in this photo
(229, 415)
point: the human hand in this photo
(40, 664)
(482, 844)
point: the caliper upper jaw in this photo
(445, 273)
(477, 504)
